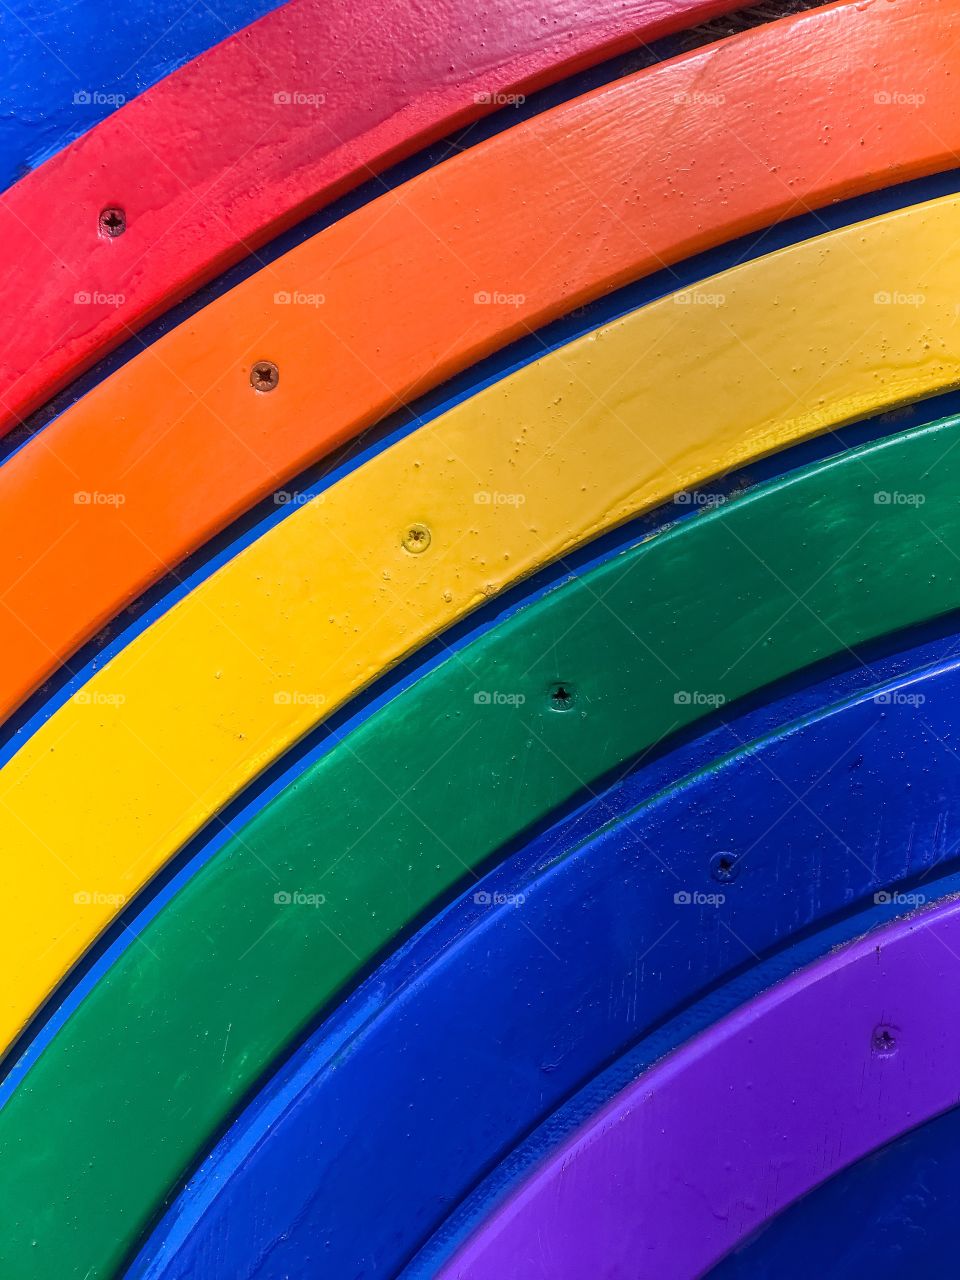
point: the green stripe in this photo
(146, 1070)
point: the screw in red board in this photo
(113, 223)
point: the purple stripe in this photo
(704, 1148)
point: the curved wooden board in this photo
(315, 886)
(202, 184)
(701, 1150)
(178, 722)
(66, 67)
(503, 1010)
(181, 440)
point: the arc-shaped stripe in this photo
(202, 184)
(528, 988)
(186, 451)
(379, 827)
(901, 1203)
(704, 1148)
(177, 723)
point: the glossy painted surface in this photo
(379, 825)
(203, 184)
(574, 950)
(829, 1065)
(216, 689)
(900, 1203)
(69, 65)
(649, 171)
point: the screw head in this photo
(264, 376)
(416, 539)
(724, 867)
(562, 696)
(113, 222)
(884, 1041)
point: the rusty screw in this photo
(113, 223)
(264, 376)
(416, 539)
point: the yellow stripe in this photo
(657, 402)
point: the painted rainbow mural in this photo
(480, 568)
